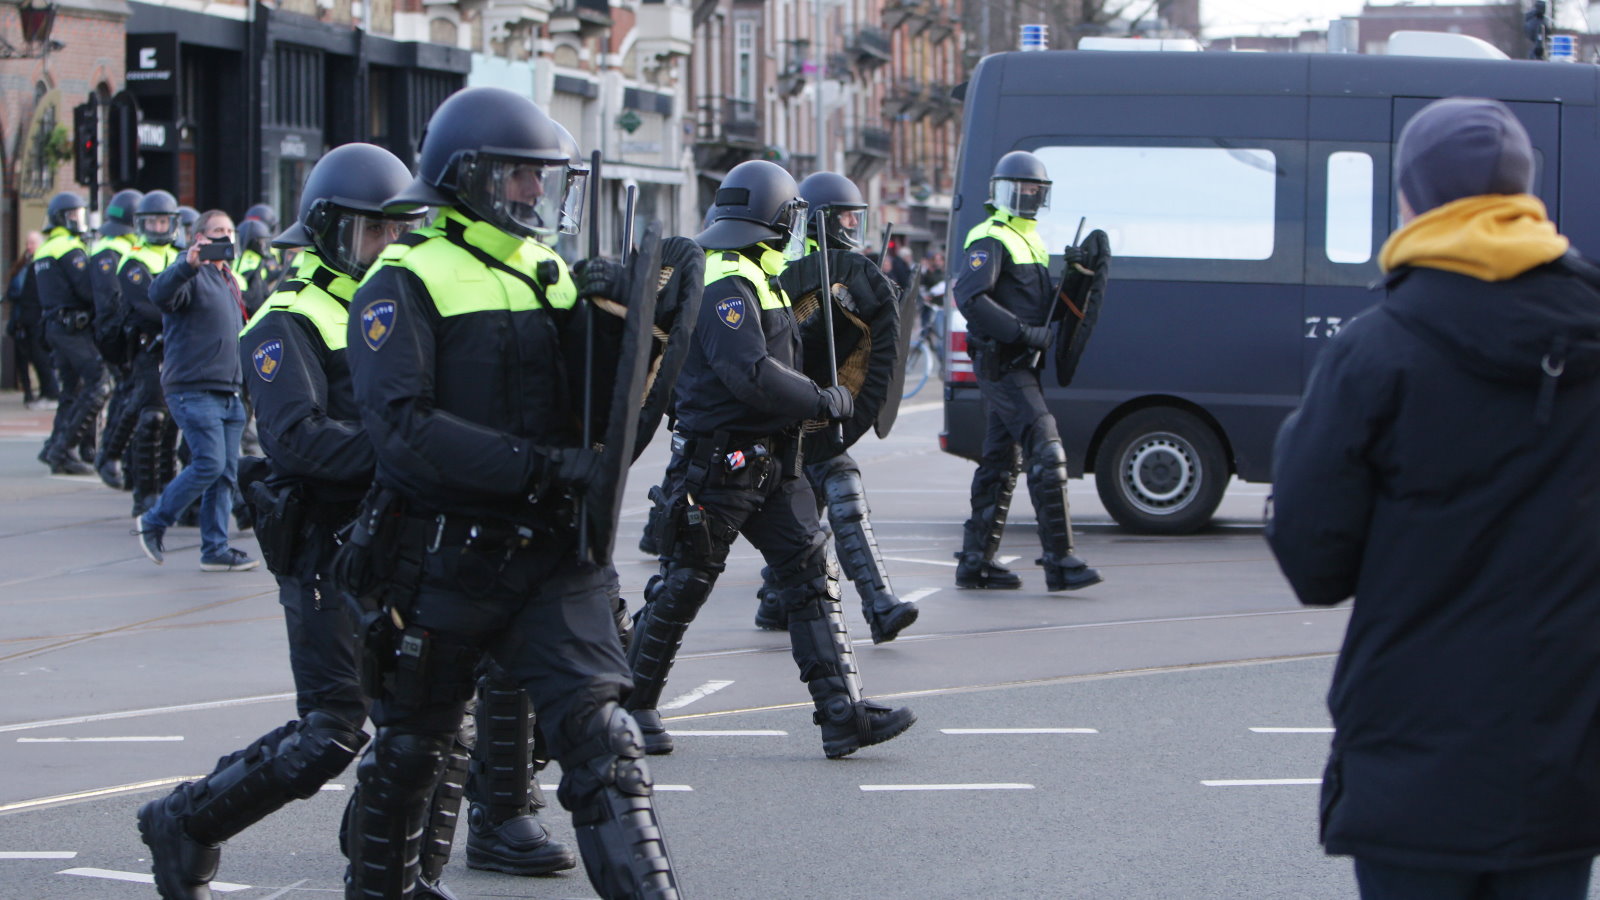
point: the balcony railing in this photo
(872, 142)
(727, 121)
(871, 47)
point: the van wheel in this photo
(1161, 471)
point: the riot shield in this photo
(866, 338)
(1082, 291)
(604, 497)
(909, 323)
(679, 287)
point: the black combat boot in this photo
(769, 609)
(504, 833)
(183, 866)
(1047, 484)
(1067, 573)
(981, 533)
(974, 571)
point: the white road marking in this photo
(947, 787)
(38, 854)
(132, 739)
(677, 732)
(286, 890)
(1270, 730)
(922, 562)
(699, 693)
(332, 787)
(919, 594)
(95, 793)
(1008, 560)
(141, 878)
(1259, 782)
(1019, 730)
(151, 711)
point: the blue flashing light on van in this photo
(1246, 196)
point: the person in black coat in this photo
(1444, 470)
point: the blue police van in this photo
(1246, 196)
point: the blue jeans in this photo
(211, 423)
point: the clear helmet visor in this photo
(1019, 198)
(157, 228)
(792, 222)
(846, 227)
(577, 192)
(75, 220)
(358, 238)
(523, 197)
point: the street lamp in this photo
(37, 21)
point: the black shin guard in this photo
(444, 812)
(384, 833)
(860, 557)
(606, 785)
(1047, 485)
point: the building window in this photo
(1165, 202)
(1349, 207)
(744, 60)
(297, 87)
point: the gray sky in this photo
(1222, 18)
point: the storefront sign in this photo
(152, 64)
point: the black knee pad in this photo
(1047, 464)
(681, 593)
(319, 750)
(846, 496)
(403, 763)
(608, 753)
(806, 583)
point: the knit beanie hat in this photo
(1462, 147)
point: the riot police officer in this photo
(1005, 291)
(735, 469)
(461, 341)
(187, 217)
(153, 449)
(258, 266)
(61, 268)
(321, 463)
(117, 239)
(834, 475)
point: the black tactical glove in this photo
(1036, 337)
(568, 467)
(1075, 255)
(600, 277)
(836, 403)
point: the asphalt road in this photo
(1068, 745)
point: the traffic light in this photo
(122, 141)
(86, 144)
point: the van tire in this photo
(1161, 471)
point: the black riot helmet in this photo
(253, 235)
(264, 214)
(342, 203)
(157, 218)
(577, 182)
(495, 154)
(838, 202)
(757, 203)
(1020, 185)
(67, 211)
(119, 213)
(187, 217)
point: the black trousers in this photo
(324, 652)
(83, 375)
(32, 350)
(1567, 880)
(542, 616)
(1017, 418)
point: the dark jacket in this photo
(1444, 469)
(997, 291)
(742, 373)
(200, 322)
(305, 404)
(61, 270)
(463, 388)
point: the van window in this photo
(1349, 225)
(1165, 202)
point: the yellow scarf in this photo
(1492, 237)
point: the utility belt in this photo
(992, 360)
(727, 461)
(73, 319)
(286, 518)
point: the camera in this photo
(216, 250)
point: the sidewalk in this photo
(18, 422)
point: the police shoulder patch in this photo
(731, 312)
(105, 265)
(135, 275)
(267, 358)
(377, 322)
(977, 258)
(79, 261)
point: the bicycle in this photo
(925, 362)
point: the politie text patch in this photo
(268, 358)
(377, 322)
(731, 312)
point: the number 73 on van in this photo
(1323, 326)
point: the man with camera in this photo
(202, 313)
